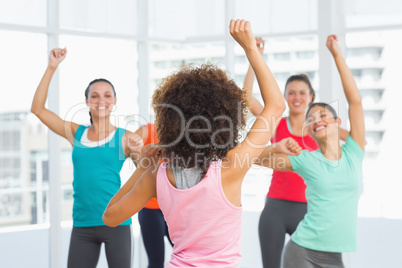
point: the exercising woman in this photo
(333, 175)
(99, 151)
(286, 203)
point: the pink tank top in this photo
(204, 226)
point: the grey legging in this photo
(296, 256)
(279, 217)
(85, 245)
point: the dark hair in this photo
(93, 82)
(324, 105)
(304, 78)
(210, 103)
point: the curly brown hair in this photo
(199, 114)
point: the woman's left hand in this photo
(151, 155)
(241, 32)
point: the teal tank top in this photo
(96, 178)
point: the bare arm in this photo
(63, 128)
(132, 197)
(253, 104)
(276, 157)
(132, 145)
(136, 192)
(274, 104)
(141, 132)
(276, 161)
(356, 115)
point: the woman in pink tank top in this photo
(199, 113)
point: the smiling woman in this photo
(334, 172)
(100, 96)
(287, 188)
(320, 116)
(99, 152)
(285, 205)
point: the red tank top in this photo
(287, 185)
(151, 138)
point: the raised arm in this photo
(51, 120)
(274, 104)
(356, 115)
(253, 104)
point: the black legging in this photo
(85, 245)
(279, 217)
(296, 256)
(153, 230)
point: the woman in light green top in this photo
(333, 175)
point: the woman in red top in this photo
(153, 225)
(286, 203)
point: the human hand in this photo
(56, 56)
(151, 155)
(333, 46)
(241, 32)
(260, 44)
(288, 146)
(133, 142)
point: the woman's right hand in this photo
(56, 56)
(288, 146)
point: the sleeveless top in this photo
(204, 226)
(96, 178)
(288, 185)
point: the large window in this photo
(166, 58)
(278, 16)
(102, 16)
(363, 13)
(186, 18)
(22, 190)
(372, 59)
(23, 12)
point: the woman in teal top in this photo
(99, 152)
(333, 175)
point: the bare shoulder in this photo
(142, 131)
